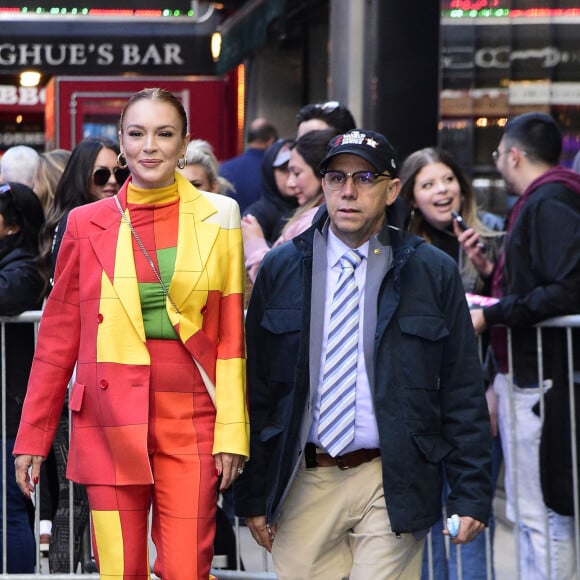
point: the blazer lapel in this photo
(195, 241)
(113, 248)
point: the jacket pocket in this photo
(282, 326)
(431, 328)
(77, 394)
(282, 320)
(269, 432)
(422, 338)
(432, 446)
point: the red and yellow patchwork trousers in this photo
(184, 496)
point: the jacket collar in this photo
(403, 242)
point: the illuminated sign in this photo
(48, 5)
(22, 96)
(95, 47)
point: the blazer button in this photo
(204, 309)
(104, 383)
(100, 318)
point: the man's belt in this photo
(347, 461)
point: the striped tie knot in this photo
(351, 260)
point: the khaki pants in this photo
(335, 526)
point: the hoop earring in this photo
(122, 164)
(182, 162)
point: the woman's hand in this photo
(230, 466)
(26, 481)
(469, 240)
(251, 229)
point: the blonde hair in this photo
(50, 167)
(200, 152)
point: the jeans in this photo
(20, 537)
(473, 555)
(545, 538)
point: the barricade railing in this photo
(256, 560)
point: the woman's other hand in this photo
(25, 480)
(475, 251)
(230, 466)
(251, 229)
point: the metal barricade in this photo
(256, 561)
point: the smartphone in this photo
(464, 227)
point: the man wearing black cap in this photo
(364, 385)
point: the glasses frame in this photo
(118, 172)
(351, 174)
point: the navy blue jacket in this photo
(244, 172)
(427, 384)
(20, 290)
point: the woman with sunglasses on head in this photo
(149, 285)
(304, 184)
(21, 288)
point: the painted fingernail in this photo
(217, 472)
(35, 479)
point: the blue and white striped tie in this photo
(337, 397)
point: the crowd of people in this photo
(285, 336)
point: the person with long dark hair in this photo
(21, 286)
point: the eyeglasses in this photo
(4, 189)
(495, 155)
(101, 176)
(361, 180)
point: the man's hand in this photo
(26, 481)
(260, 531)
(468, 530)
(478, 320)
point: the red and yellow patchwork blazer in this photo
(92, 320)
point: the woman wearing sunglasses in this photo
(92, 173)
(21, 217)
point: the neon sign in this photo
(122, 8)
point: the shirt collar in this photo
(336, 248)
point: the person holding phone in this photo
(445, 213)
(434, 186)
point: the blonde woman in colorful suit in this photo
(148, 305)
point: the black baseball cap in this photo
(370, 145)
